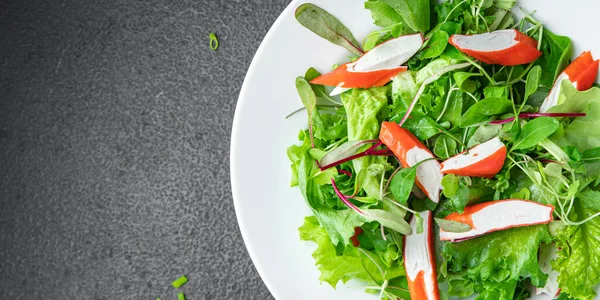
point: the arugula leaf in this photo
(581, 132)
(350, 263)
(578, 262)
(495, 262)
(534, 132)
(557, 51)
(363, 108)
(484, 110)
(327, 26)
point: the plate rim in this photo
(233, 146)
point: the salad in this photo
(456, 152)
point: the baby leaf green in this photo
(535, 131)
(483, 110)
(327, 26)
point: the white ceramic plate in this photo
(268, 210)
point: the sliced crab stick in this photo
(342, 78)
(419, 261)
(497, 215)
(507, 47)
(548, 253)
(483, 160)
(410, 151)
(376, 67)
(581, 72)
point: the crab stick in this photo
(581, 72)
(410, 151)
(376, 67)
(548, 253)
(419, 261)
(508, 47)
(342, 78)
(497, 215)
(483, 160)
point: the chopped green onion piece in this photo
(180, 296)
(179, 282)
(214, 41)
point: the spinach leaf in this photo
(436, 44)
(463, 81)
(557, 51)
(327, 26)
(420, 125)
(444, 147)
(533, 81)
(534, 132)
(484, 110)
(483, 134)
(402, 184)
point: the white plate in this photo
(268, 210)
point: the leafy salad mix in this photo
(457, 146)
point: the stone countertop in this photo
(115, 120)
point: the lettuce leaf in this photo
(339, 224)
(494, 263)
(412, 13)
(363, 108)
(582, 132)
(350, 263)
(578, 261)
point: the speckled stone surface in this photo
(115, 120)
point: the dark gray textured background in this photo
(115, 119)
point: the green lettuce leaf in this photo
(412, 13)
(338, 223)
(363, 108)
(459, 193)
(582, 132)
(383, 14)
(494, 263)
(578, 262)
(350, 263)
